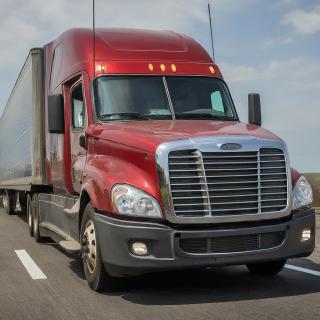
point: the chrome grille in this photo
(227, 183)
(232, 244)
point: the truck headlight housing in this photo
(128, 200)
(302, 194)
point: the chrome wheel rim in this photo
(89, 248)
(29, 217)
(5, 201)
(35, 224)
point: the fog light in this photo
(306, 235)
(139, 249)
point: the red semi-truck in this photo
(135, 157)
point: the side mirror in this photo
(83, 142)
(254, 105)
(56, 113)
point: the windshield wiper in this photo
(120, 115)
(202, 116)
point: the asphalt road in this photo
(222, 293)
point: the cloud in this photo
(304, 22)
(276, 42)
(239, 73)
(266, 71)
(290, 92)
(11, 40)
(286, 2)
(25, 24)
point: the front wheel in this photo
(97, 277)
(267, 268)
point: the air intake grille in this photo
(232, 244)
(228, 183)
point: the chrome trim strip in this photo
(206, 195)
(259, 182)
(211, 144)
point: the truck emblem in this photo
(230, 146)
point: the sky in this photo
(269, 47)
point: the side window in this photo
(79, 116)
(217, 102)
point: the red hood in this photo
(147, 135)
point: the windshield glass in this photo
(156, 97)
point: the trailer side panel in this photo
(21, 129)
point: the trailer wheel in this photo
(29, 215)
(97, 277)
(36, 218)
(23, 199)
(268, 268)
(9, 202)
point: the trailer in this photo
(22, 137)
(131, 153)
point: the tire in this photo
(36, 218)
(97, 277)
(30, 215)
(9, 199)
(23, 199)
(271, 268)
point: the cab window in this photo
(78, 108)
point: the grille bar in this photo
(232, 244)
(228, 183)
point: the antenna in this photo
(94, 36)
(211, 31)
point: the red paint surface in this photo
(147, 135)
(125, 51)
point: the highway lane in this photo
(219, 293)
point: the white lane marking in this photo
(313, 272)
(34, 271)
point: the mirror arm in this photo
(83, 141)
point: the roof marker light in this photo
(101, 68)
(212, 70)
(162, 67)
(151, 68)
(173, 68)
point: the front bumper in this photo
(115, 237)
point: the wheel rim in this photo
(5, 201)
(29, 217)
(89, 249)
(35, 224)
(30, 220)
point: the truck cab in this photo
(149, 168)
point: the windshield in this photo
(156, 97)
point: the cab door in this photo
(79, 122)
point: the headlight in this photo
(131, 201)
(302, 194)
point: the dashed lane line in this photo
(313, 272)
(33, 270)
